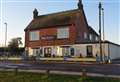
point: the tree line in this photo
(13, 48)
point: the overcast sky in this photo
(18, 14)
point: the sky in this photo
(19, 13)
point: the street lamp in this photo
(5, 33)
(5, 36)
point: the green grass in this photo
(36, 77)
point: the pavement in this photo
(95, 69)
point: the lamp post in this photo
(5, 35)
(100, 42)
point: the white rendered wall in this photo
(79, 49)
(82, 48)
(114, 51)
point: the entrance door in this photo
(72, 51)
(89, 51)
(47, 52)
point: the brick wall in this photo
(51, 31)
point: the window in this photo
(34, 35)
(48, 52)
(63, 33)
(90, 36)
(89, 51)
(41, 51)
(85, 35)
(96, 38)
(66, 51)
(72, 51)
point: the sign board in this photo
(50, 37)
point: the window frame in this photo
(91, 37)
(97, 38)
(63, 33)
(85, 36)
(33, 37)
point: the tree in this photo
(15, 42)
(14, 45)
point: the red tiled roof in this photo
(55, 19)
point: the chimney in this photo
(35, 13)
(80, 5)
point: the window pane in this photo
(85, 35)
(63, 33)
(96, 38)
(90, 36)
(34, 35)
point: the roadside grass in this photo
(37, 77)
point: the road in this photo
(106, 69)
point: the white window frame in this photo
(85, 35)
(34, 35)
(63, 32)
(91, 37)
(96, 38)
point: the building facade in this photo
(49, 35)
(65, 33)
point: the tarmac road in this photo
(106, 69)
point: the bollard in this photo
(84, 74)
(16, 71)
(47, 72)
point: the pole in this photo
(103, 24)
(103, 34)
(100, 42)
(5, 35)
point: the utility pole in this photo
(103, 34)
(100, 42)
(103, 24)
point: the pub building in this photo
(60, 34)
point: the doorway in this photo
(89, 51)
(48, 52)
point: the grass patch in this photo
(36, 77)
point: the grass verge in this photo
(37, 77)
